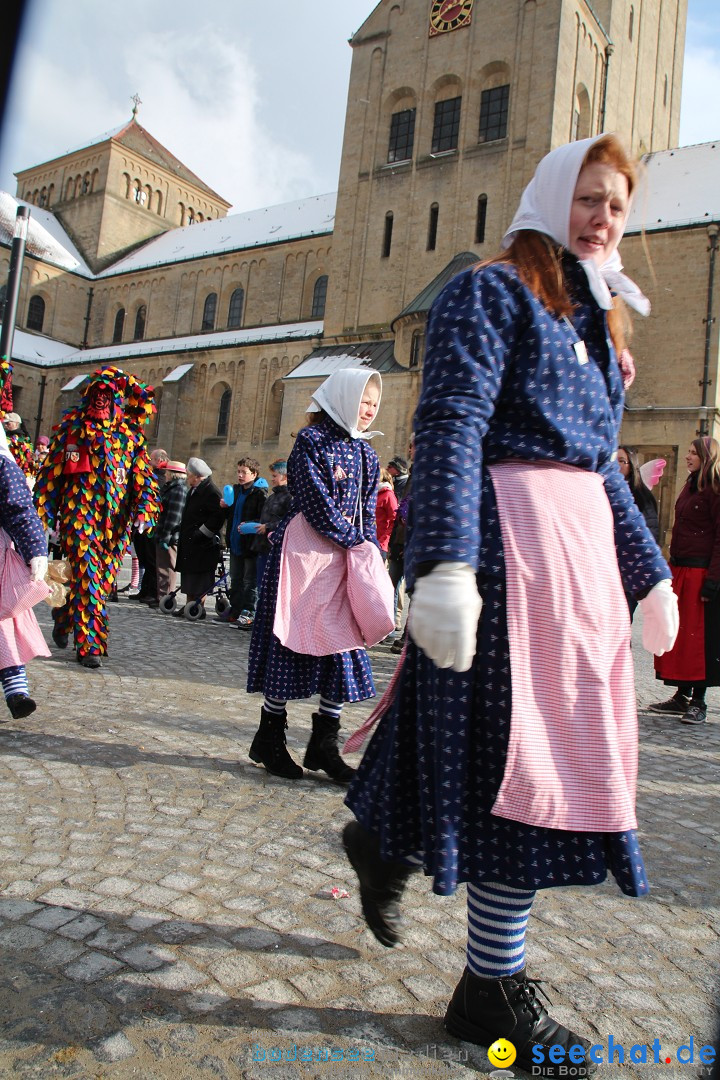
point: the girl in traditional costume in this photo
(333, 475)
(508, 757)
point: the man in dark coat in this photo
(199, 545)
(242, 519)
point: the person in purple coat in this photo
(333, 475)
(507, 759)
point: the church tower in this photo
(119, 191)
(452, 103)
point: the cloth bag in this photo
(330, 599)
(18, 593)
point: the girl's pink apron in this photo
(572, 754)
(330, 599)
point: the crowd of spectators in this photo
(210, 541)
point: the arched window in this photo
(433, 227)
(480, 219)
(158, 203)
(581, 121)
(223, 422)
(319, 298)
(69, 188)
(402, 135)
(665, 90)
(209, 312)
(417, 348)
(494, 104)
(387, 235)
(119, 325)
(631, 23)
(140, 317)
(235, 309)
(446, 125)
(36, 313)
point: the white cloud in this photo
(699, 118)
(59, 105)
(200, 99)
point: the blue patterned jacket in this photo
(502, 380)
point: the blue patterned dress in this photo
(501, 380)
(325, 468)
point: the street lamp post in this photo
(17, 253)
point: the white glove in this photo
(38, 567)
(444, 615)
(140, 526)
(661, 620)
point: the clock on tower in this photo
(446, 15)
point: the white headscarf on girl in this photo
(545, 206)
(340, 396)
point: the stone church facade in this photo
(235, 318)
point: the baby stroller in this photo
(194, 609)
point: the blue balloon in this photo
(228, 494)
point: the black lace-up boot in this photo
(381, 883)
(270, 749)
(322, 750)
(484, 1010)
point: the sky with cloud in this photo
(252, 98)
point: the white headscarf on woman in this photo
(340, 397)
(545, 206)
(4, 448)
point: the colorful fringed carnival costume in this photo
(19, 444)
(22, 450)
(94, 485)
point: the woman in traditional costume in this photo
(694, 663)
(333, 475)
(508, 758)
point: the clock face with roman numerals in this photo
(446, 15)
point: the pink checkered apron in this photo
(330, 599)
(572, 753)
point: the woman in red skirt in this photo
(694, 663)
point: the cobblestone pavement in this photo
(166, 906)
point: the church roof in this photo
(378, 355)
(135, 138)
(46, 352)
(424, 300)
(46, 238)
(679, 187)
(269, 225)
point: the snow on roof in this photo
(74, 382)
(269, 225)
(46, 237)
(34, 349)
(178, 373)
(680, 187)
(326, 365)
(55, 353)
